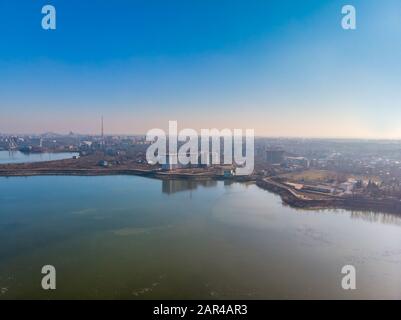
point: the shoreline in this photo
(109, 172)
(288, 196)
(303, 201)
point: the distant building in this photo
(103, 163)
(297, 161)
(205, 159)
(318, 188)
(172, 165)
(348, 186)
(172, 162)
(274, 156)
(227, 171)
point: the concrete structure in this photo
(297, 161)
(172, 162)
(103, 163)
(274, 156)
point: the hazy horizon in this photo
(106, 134)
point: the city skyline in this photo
(283, 68)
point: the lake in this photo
(129, 237)
(20, 157)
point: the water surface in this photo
(127, 237)
(20, 157)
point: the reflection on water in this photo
(19, 157)
(386, 218)
(173, 186)
(127, 237)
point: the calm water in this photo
(127, 237)
(19, 157)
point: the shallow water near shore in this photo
(129, 237)
(20, 157)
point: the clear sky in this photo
(282, 67)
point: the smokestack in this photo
(102, 128)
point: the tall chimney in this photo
(102, 127)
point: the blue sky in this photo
(284, 68)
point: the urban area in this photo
(310, 173)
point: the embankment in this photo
(306, 200)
